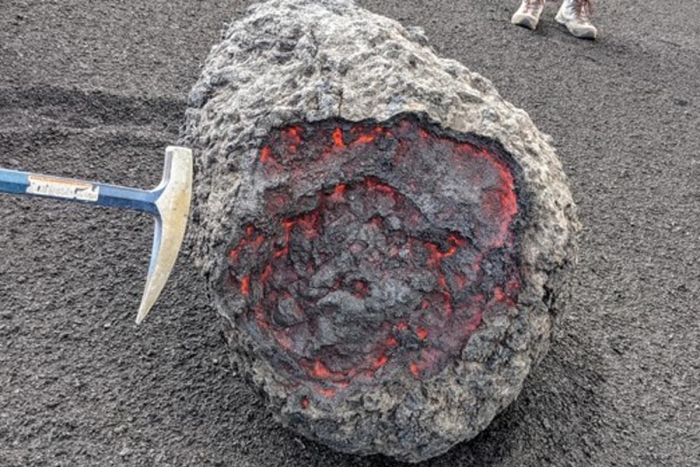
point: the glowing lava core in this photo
(379, 250)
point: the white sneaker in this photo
(528, 15)
(576, 17)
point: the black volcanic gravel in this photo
(97, 90)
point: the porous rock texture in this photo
(291, 64)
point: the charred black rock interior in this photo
(386, 239)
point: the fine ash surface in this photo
(291, 61)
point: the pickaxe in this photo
(169, 203)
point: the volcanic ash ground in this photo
(386, 239)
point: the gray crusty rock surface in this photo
(303, 60)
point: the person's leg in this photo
(528, 15)
(576, 16)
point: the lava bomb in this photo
(387, 240)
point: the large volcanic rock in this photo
(385, 237)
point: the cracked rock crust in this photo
(290, 61)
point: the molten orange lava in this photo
(276, 265)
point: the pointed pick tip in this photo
(173, 208)
(143, 312)
(141, 316)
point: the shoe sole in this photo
(581, 33)
(525, 21)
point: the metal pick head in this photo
(173, 202)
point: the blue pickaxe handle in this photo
(169, 203)
(66, 189)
